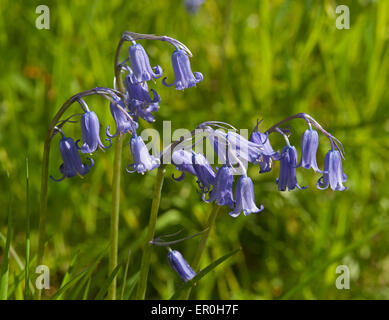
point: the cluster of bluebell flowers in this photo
(234, 152)
(138, 102)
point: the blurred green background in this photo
(260, 59)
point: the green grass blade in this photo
(68, 273)
(125, 275)
(70, 283)
(319, 270)
(86, 291)
(4, 271)
(107, 283)
(202, 273)
(132, 282)
(28, 222)
(87, 273)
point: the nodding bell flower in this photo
(182, 159)
(309, 145)
(204, 172)
(90, 132)
(123, 123)
(72, 163)
(183, 74)
(288, 165)
(139, 101)
(268, 154)
(143, 161)
(179, 264)
(333, 172)
(245, 200)
(140, 65)
(231, 146)
(222, 189)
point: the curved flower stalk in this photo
(69, 147)
(333, 172)
(143, 161)
(184, 77)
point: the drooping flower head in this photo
(90, 133)
(222, 189)
(182, 159)
(143, 161)
(204, 172)
(309, 145)
(231, 147)
(179, 264)
(245, 199)
(140, 65)
(183, 74)
(139, 101)
(333, 172)
(268, 154)
(72, 163)
(123, 123)
(288, 165)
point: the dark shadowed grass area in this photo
(260, 59)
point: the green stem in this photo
(203, 242)
(114, 230)
(28, 222)
(45, 174)
(145, 264)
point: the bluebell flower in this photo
(245, 199)
(333, 172)
(182, 159)
(192, 6)
(72, 163)
(231, 145)
(139, 101)
(222, 189)
(140, 65)
(183, 74)
(268, 154)
(204, 172)
(123, 123)
(90, 133)
(179, 264)
(309, 145)
(288, 165)
(143, 161)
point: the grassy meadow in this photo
(265, 59)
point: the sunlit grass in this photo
(260, 59)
